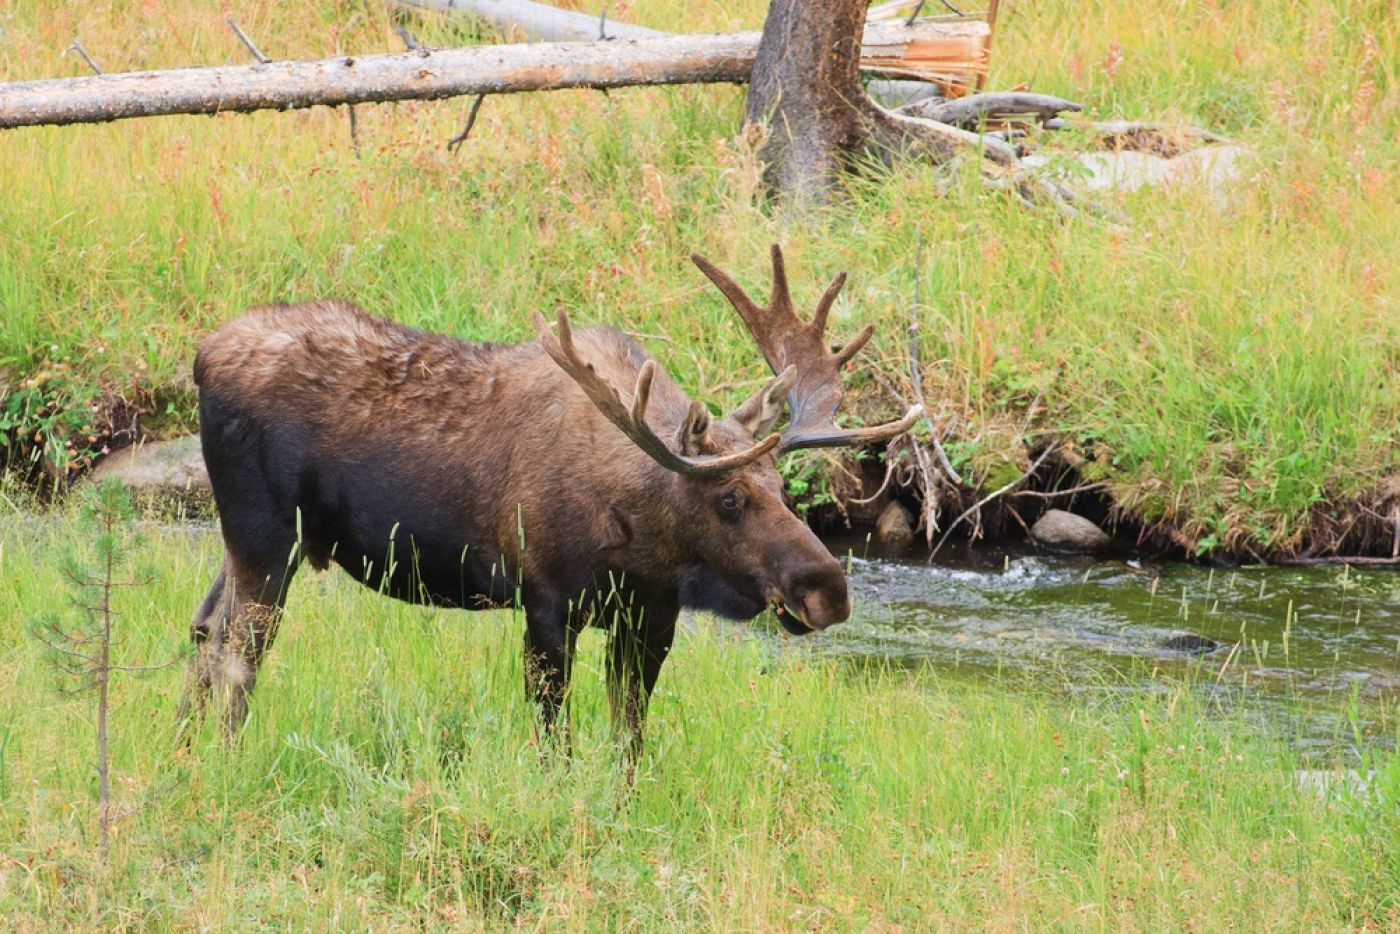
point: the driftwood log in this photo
(422, 74)
(969, 112)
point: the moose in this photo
(475, 475)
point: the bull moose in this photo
(483, 475)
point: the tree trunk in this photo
(806, 88)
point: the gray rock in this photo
(895, 526)
(175, 466)
(1064, 531)
(1215, 168)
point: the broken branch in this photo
(977, 506)
(969, 112)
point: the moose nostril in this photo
(822, 596)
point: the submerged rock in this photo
(1064, 531)
(895, 526)
(1192, 642)
(175, 467)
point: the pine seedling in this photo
(79, 644)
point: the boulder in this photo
(175, 466)
(1064, 531)
(895, 526)
(1216, 168)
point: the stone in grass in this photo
(174, 467)
(895, 526)
(1064, 531)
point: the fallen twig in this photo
(461, 137)
(248, 43)
(77, 46)
(968, 112)
(412, 44)
(884, 485)
(991, 496)
(1055, 494)
(929, 500)
(354, 131)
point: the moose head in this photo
(748, 549)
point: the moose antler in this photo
(633, 422)
(786, 340)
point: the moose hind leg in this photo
(206, 633)
(255, 597)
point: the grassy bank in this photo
(1229, 371)
(388, 778)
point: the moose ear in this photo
(761, 411)
(694, 435)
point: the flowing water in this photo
(1300, 646)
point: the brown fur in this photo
(328, 432)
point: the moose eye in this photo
(730, 501)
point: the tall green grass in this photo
(1228, 369)
(388, 777)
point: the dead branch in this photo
(977, 506)
(461, 137)
(1056, 494)
(971, 111)
(247, 43)
(77, 46)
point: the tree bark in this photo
(806, 88)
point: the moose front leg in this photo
(550, 638)
(640, 641)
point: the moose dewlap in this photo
(570, 476)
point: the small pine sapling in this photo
(79, 644)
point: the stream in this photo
(1298, 647)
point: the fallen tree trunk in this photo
(418, 75)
